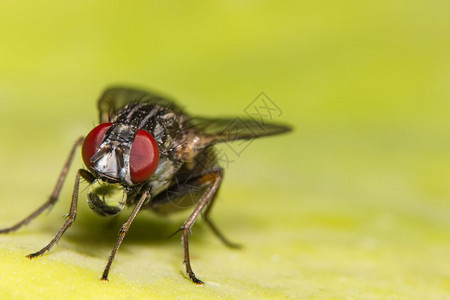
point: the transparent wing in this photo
(115, 98)
(218, 130)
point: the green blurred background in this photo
(353, 204)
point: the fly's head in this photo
(119, 156)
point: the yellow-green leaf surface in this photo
(353, 204)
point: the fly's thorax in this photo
(163, 175)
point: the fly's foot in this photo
(195, 279)
(36, 254)
(105, 275)
(5, 230)
(232, 245)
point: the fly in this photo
(147, 153)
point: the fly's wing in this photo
(220, 130)
(115, 98)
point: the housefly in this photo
(147, 153)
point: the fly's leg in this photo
(213, 178)
(54, 196)
(70, 217)
(202, 190)
(123, 232)
(214, 228)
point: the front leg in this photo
(123, 232)
(212, 179)
(55, 194)
(70, 217)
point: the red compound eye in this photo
(92, 142)
(144, 156)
